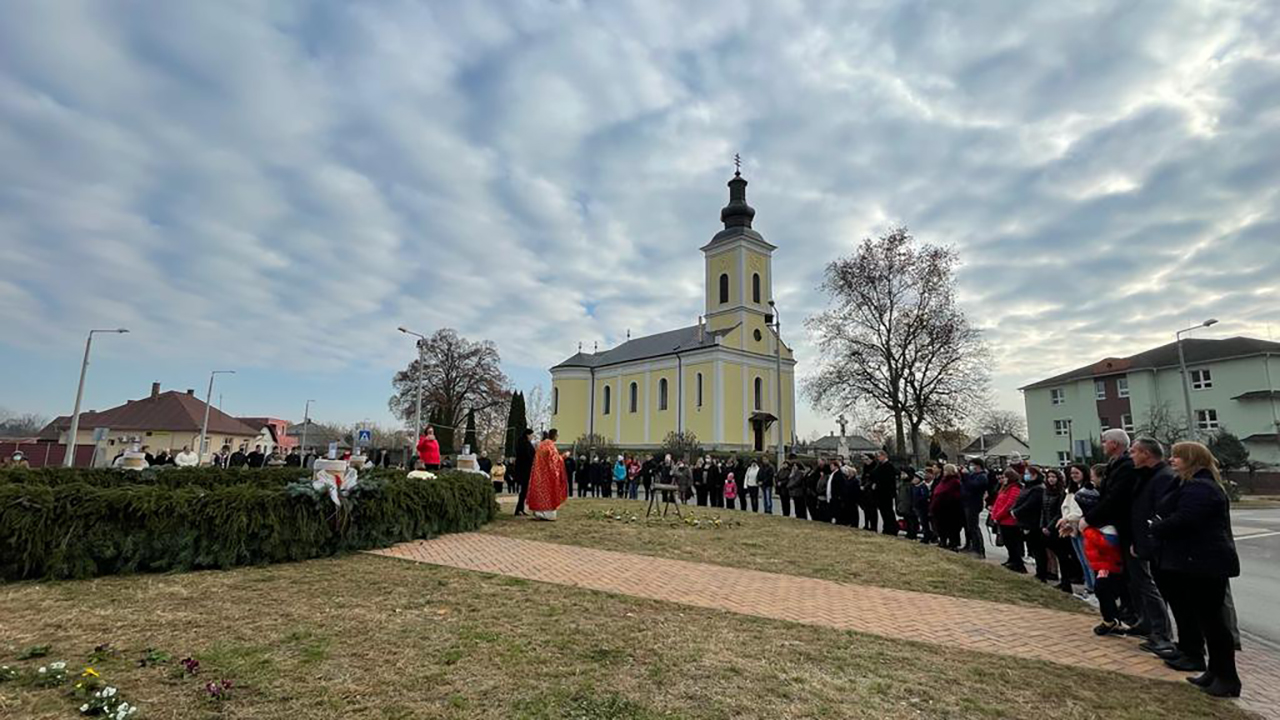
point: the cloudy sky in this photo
(274, 187)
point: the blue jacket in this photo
(974, 487)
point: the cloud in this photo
(234, 181)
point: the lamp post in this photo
(777, 329)
(417, 407)
(1186, 377)
(70, 459)
(306, 420)
(204, 427)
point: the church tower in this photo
(739, 275)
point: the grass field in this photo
(371, 637)
(794, 547)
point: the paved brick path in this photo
(1033, 633)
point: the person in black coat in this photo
(884, 485)
(1115, 507)
(1195, 557)
(975, 485)
(851, 497)
(524, 466)
(570, 470)
(1153, 480)
(1027, 511)
(868, 497)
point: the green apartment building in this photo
(1234, 385)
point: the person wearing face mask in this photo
(1028, 510)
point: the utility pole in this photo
(1186, 377)
(204, 427)
(70, 458)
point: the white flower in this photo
(84, 707)
(58, 665)
(109, 691)
(42, 670)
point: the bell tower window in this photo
(724, 288)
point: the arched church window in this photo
(555, 401)
(607, 398)
(662, 394)
(633, 394)
(724, 288)
(699, 384)
(759, 394)
(755, 288)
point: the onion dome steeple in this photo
(737, 213)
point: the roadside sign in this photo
(365, 436)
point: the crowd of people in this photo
(1148, 532)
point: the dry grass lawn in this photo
(790, 546)
(372, 637)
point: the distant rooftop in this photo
(1197, 351)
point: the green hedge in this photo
(102, 526)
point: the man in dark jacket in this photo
(884, 482)
(1154, 480)
(524, 466)
(974, 486)
(1115, 506)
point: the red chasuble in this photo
(548, 485)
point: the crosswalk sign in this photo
(365, 436)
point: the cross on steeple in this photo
(842, 421)
(737, 164)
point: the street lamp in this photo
(777, 329)
(69, 460)
(204, 428)
(417, 408)
(1186, 377)
(306, 419)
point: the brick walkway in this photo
(1033, 633)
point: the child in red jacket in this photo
(1106, 556)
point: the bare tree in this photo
(1003, 422)
(1163, 424)
(21, 425)
(457, 375)
(537, 408)
(893, 341)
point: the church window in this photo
(724, 288)
(759, 394)
(632, 401)
(755, 288)
(662, 394)
(699, 384)
(607, 398)
(555, 401)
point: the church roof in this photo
(642, 348)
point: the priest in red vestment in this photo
(548, 484)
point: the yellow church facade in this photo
(718, 379)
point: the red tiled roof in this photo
(172, 411)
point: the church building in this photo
(718, 379)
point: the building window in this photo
(1061, 428)
(662, 394)
(1064, 458)
(634, 394)
(699, 389)
(555, 401)
(759, 393)
(1058, 396)
(1207, 419)
(1201, 379)
(755, 288)
(1100, 389)
(607, 397)
(1122, 387)
(1126, 422)
(1104, 422)
(724, 288)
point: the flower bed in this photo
(102, 524)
